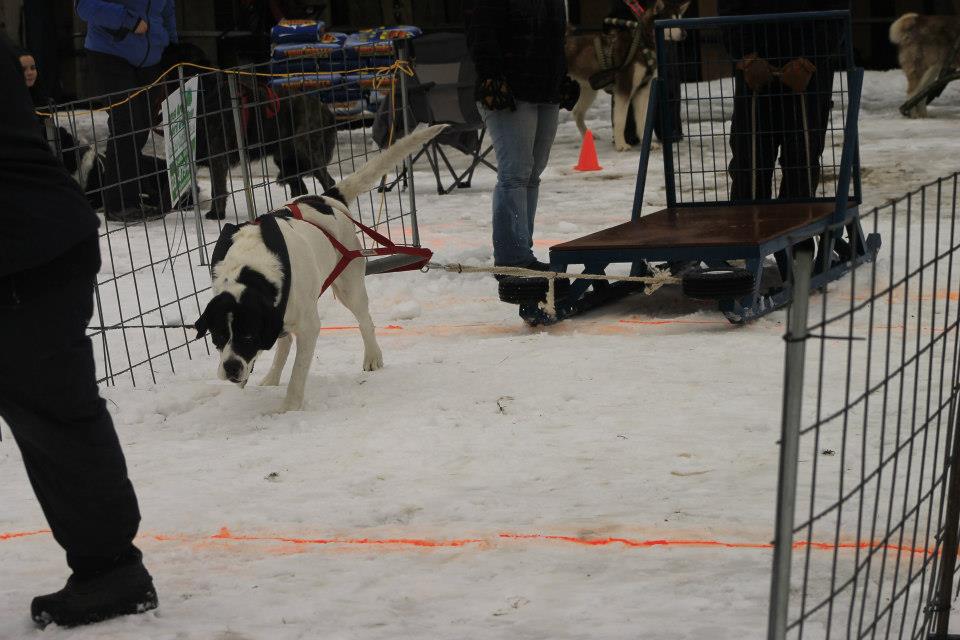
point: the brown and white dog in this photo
(632, 80)
(925, 43)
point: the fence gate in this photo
(867, 514)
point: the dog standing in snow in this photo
(925, 43)
(267, 283)
(631, 80)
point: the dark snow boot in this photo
(121, 591)
(536, 265)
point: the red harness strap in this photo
(387, 248)
(635, 7)
(270, 108)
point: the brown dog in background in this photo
(632, 79)
(925, 43)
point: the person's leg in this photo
(513, 134)
(751, 131)
(129, 125)
(546, 133)
(50, 400)
(110, 75)
(806, 121)
(150, 166)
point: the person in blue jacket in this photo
(124, 43)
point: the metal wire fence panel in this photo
(878, 420)
(768, 121)
(264, 134)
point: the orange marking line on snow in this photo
(22, 534)
(661, 322)
(389, 327)
(226, 535)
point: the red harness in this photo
(635, 7)
(387, 248)
(270, 108)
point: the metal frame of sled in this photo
(716, 233)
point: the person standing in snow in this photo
(49, 258)
(125, 40)
(517, 49)
(768, 118)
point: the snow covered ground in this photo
(493, 481)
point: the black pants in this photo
(780, 135)
(128, 172)
(49, 399)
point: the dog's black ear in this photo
(201, 325)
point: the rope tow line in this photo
(653, 283)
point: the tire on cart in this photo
(522, 291)
(718, 284)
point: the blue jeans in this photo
(522, 141)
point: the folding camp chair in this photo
(442, 93)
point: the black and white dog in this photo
(257, 304)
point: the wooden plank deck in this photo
(736, 225)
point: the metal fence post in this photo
(407, 164)
(191, 161)
(789, 444)
(236, 107)
(948, 554)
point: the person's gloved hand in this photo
(494, 94)
(569, 93)
(757, 72)
(797, 73)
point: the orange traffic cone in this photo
(588, 155)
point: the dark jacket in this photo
(43, 214)
(110, 25)
(751, 7)
(785, 40)
(520, 41)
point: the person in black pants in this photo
(124, 44)
(782, 97)
(49, 257)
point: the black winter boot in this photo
(120, 591)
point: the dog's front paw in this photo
(373, 360)
(292, 403)
(270, 380)
(622, 146)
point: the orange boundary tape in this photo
(226, 535)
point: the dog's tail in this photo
(367, 176)
(899, 29)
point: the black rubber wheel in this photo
(514, 290)
(718, 284)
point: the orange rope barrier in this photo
(398, 66)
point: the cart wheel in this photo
(530, 290)
(718, 284)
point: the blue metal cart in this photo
(729, 246)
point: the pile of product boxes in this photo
(346, 71)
